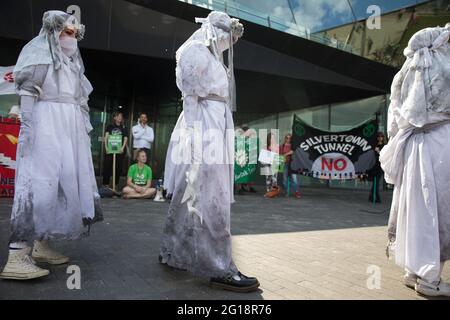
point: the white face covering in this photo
(69, 45)
(224, 41)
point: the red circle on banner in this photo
(341, 167)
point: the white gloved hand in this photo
(191, 145)
(25, 145)
(86, 118)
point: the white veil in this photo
(45, 49)
(212, 29)
(423, 83)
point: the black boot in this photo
(245, 284)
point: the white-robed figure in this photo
(416, 161)
(199, 167)
(56, 194)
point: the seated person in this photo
(139, 179)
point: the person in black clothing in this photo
(376, 173)
(116, 127)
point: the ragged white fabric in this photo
(197, 231)
(46, 50)
(55, 191)
(416, 162)
(422, 83)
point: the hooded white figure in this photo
(55, 192)
(416, 161)
(197, 232)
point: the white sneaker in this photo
(159, 196)
(410, 280)
(433, 290)
(20, 266)
(43, 253)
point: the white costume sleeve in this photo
(192, 78)
(30, 79)
(190, 105)
(86, 89)
(392, 125)
(29, 82)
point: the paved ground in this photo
(319, 247)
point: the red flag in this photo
(9, 137)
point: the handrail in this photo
(260, 18)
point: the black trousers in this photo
(375, 189)
(108, 165)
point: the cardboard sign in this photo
(114, 143)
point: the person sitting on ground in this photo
(139, 179)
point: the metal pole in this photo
(349, 37)
(130, 134)
(102, 152)
(329, 129)
(374, 189)
(292, 11)
(114, 173)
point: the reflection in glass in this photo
(341, 23)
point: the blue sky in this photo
(322, 14)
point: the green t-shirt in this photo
(139, 176)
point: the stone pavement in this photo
(328, 245)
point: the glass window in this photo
(348, 115)
(341, 23)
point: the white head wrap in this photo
(213, 28)
(45, 48)
(423, 83)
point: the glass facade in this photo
(386, 45)
(139, 83)
(316, 19)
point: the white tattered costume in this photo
(197, 232)
(416, 159)
(55, 193)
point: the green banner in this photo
(114, 143)
(278, 163)
(246, 150)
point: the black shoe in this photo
(245, 284)
(245, 277)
